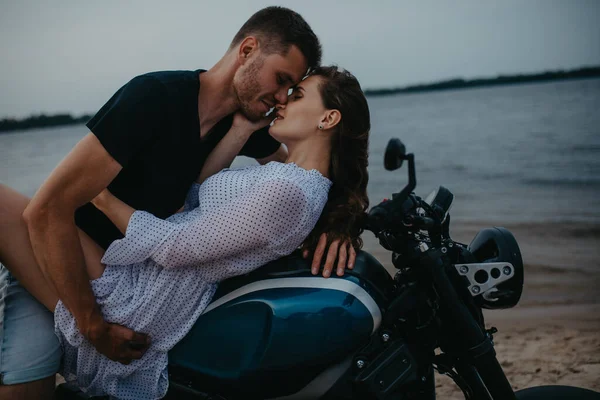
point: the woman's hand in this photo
(339, 249)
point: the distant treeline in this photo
(588, 72)
(38, 121)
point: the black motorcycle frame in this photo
(468, 354)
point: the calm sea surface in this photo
(515, 153)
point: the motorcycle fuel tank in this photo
(271, 332)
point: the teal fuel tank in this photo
(271, 332)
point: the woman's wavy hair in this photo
(347, 202)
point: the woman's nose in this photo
(279, 106)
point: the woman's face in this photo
(300, 117)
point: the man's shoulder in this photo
(167, 86)
(168, 77)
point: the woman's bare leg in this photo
(17, 255)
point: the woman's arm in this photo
(267, 219)
(115, 209)
(229, 147)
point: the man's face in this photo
(264, 80)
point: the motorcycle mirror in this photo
(395, 154)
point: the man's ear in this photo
(247, 48)
(331, 119)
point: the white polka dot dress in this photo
(161, 276)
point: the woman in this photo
(161, 276)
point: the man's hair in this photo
(278, 28)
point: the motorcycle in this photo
(282, 333)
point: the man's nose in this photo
(282, 96)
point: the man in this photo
(147, 145)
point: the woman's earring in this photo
(320, 126)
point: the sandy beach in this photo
(552, 337)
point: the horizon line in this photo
(455, 82)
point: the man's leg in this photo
(29, 349)
(41, 389)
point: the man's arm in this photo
(86, 170)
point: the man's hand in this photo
(118, 342)
(338, 249)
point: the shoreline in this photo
(35, 121)
(500, 80)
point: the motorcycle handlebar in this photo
(399, 212)
(403, 214)
(392, 211)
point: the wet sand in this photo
(552, 337)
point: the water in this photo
(512, 153)
(527, 153)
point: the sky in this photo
(71, 55)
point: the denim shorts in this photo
(29, 348)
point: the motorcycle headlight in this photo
(498, 245)
(440, 201)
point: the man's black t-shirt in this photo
(151, 127)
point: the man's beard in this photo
(249, 89)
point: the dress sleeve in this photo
(267, 218)
(129, 120)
